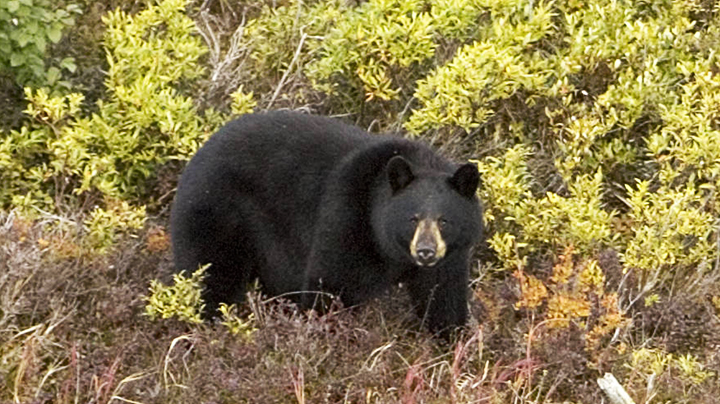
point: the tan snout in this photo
(427, 246)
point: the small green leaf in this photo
(17, 59)
(40, 43)
(68, 64)
(23, 39)
(53, 74)
(38, 69)
(13, 5)
(54, 34)
(32, 27)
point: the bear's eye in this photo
(442, 222)
(414, 220)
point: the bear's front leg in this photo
(439, 295)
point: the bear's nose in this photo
(426, 254)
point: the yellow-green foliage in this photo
(383, 45)
(523, 223)
(181, 300)
(236, 325)
(674, 226)
(503, 62)
(156, 45)
(654, 366)
(379, 35)
(275, 35)
(641, 51)
(147, 121)
(66, 156)
(242, 103)
(27, 156)
(105, 224)
(672, 231)
(624, 100)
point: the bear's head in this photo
(428, 215)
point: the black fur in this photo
(306, 203)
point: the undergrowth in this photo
(73, 330)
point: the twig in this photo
(717, 251)
(287, 72)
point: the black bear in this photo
(311, 206)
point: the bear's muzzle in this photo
(427, 246)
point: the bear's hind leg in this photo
(223, 284)
(199, 240)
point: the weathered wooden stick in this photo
(614, 390)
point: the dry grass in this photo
(72, 331)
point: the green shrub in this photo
(380, 48)
(242, 103)
(181, 299)
(26, 27)
(35, 164)
(236, 325)
(676, 378)
(275, 35)
(371, 40)
(62, 157)
(522, 223)
(504, 61)
(104, 225)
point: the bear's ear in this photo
(399, 173)
(466, 180)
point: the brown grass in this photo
(72, 331)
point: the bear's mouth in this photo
(425, 263)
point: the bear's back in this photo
(287, 137)
(261, 178)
